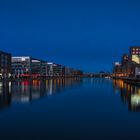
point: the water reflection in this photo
(130, 94)
(29, 90)
(5, 94)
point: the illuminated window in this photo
(136, 59)
(133, 52)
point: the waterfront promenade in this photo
(131, 80)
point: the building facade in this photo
(26, 66)
(54, 69)
(135, 54)
(5, 65)
(117, 70)
(130, 64)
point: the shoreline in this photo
(129, 80)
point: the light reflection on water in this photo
(81, 109)
(28, 90)
(130, 94)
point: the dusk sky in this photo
(85, 34)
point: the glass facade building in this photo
(28, 67)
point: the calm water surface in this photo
(72, 109)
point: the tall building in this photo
(130, 64)
(5, 65)
(125, 59)
(135, 54)
(26, 66)
(117, 69)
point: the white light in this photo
(23, 59)
(35, 61)
(117, 63)
(49, 63)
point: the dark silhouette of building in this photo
(5, 65)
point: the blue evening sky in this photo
(85, 34)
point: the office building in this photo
(26, 66)
(54, 69)
(5, 65)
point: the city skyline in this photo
(69, 69)
(87, 35)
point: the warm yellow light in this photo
(136, 58)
